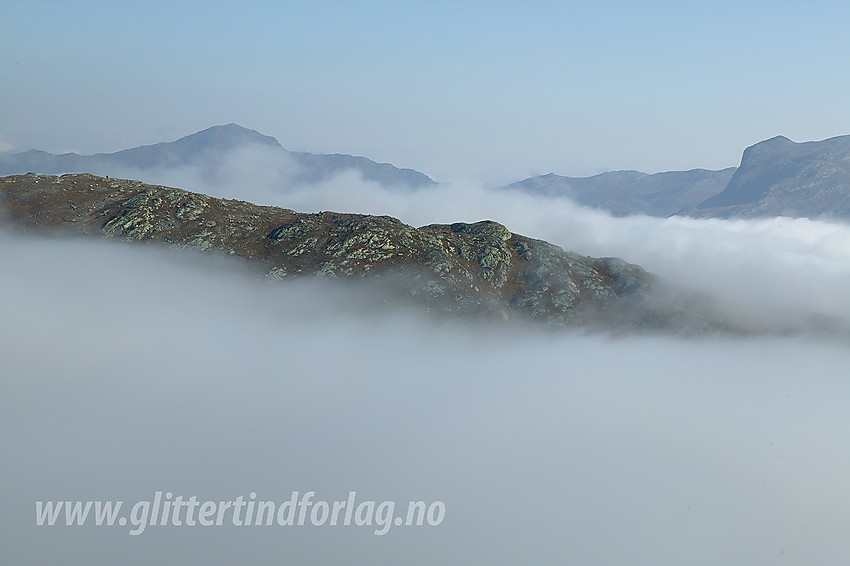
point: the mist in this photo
(763, 275)
(130, 369)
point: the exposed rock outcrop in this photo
(471, 268)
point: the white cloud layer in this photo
(769, 274)
(128, 370)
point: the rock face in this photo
(781, 177)
(207, 148)
(469, 268)
(777, 177)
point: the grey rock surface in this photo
(779, 177)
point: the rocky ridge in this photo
(469, 268)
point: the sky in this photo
(478, 91)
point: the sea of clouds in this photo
(774, 274)
(130, 369)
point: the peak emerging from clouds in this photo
(208, 150)
(782, 177)
(206, 144)
(777, 177)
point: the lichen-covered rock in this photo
(467, 268)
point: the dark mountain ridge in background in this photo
(632, 192)
(206, 149)
(186, 150)
(780, 177)
(776, 177)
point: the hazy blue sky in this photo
(483, 90)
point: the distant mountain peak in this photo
(204, 149)
(776, 140)
(782, 177)
(224, 137)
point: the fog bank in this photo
(126, 370)
(765, 275)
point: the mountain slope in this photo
(206, 150)
(632, 192)
(206, 144)
(777, 177)
(781, 177)
(467, 268)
